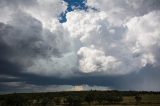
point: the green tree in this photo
(45, 101)
(114, 98)
(57, 100)
(101, 98)
(138, 99)
(73, 100)
(15, 100)
(90, 97)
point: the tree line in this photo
(68, 98)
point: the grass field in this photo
(146, 99)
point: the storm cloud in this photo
(101, 44)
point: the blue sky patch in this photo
(72, 5)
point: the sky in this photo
(74, 45)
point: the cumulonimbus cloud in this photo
(104, 41)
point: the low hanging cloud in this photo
(25, 87)
(105, 41)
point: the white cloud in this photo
(117, 12)
(108, 30)
(120, 38)
(47, 11)
(143, 36)
(94, 60)
(120, 11)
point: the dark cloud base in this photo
(144, 80)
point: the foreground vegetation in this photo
(82, 98)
